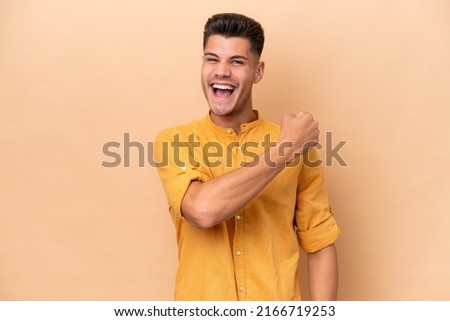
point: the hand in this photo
(298, 133)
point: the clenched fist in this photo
(299, 132)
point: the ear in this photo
(259, 72)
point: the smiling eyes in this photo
(236, 62)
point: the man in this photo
(243, 193)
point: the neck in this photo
(234, 120)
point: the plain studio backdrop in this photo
(76, 75)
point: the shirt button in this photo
(229, 131)
(241, 288)
(183, 168)
(238, 253)
(238, 217)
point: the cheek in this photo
(249, 80)
(204, 73)
(247, 76)
(204, 80)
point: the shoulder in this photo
(184, 130)
(270, 125)
(268, 129)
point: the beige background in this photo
(77, 74)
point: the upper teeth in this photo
(223, 87)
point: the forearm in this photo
(209, 203)
(323, 274)
(206, 204)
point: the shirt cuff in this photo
(319, 237)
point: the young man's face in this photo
(229, 71)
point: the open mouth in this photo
(222, 90)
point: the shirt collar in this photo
(228, 130)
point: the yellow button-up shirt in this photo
(261, 261)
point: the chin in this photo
(221, 110)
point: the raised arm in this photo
(206, 204)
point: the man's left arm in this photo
(323, 274)
(317, 230)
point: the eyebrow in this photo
(232, 57)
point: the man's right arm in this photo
(206, 204)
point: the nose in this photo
(222, 70)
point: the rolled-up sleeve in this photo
(316, 224)
(177, 168)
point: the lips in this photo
(221, 90)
